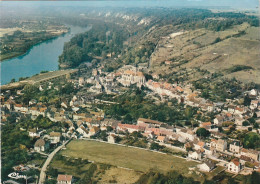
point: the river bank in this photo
(40, 57)
(19, 42)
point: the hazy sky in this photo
(235, 4)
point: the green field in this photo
(136, 159)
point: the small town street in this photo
(47, 162)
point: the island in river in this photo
(16, 41)
(40, 57)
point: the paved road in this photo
(47, 162)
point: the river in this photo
(41, 57)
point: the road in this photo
(47, 162)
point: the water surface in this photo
(41, 57)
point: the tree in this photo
(52, 172)
(12, 80)
(251, 120)
(254, 178)
(217, 40)
(247, 100)
(231, 181)
(128, 118)
(256, 126)
(155, 146)
(188, 112)
(245, 123)
(109, 129)
(251, 140)
(50, 181)
(202, 132)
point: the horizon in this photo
(230, 4)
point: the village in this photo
(206, 143)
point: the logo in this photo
(16, 176)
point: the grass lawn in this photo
(136, 159)
(70, 169)
(215, 171)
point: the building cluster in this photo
(87, 124)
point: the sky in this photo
(234, 4)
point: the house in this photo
(79, 116)
(132, 77)
(64, 179)
(196, 155)
(93, 131)
(55, 137)
(186, 134)
(245, 159)
(64, 105)
(207, 166)
(198, 145)
(34, 111)
(206, 125)
(234, 147)
(253, 92)
(231, 109)
(221, 145)
(83, 131)
(9, 104)
(32, 102)
(34, 132)
(42, 111)
(110, 122)
(239, 110)
(250, 153)
(154, 131)
(20, 108)
(81, 81)
(111, 138)
(210, 107)
(41, 145)
(254, 104)
(161, 138)
(234, 166)
(129, 127)
(189, 146)
(218, 120)
(239, 120)
(208, 151)
(148, 122)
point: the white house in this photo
(20, 108)
(254, 104)
(219, 120)
(234, 147)
(55, 137)
(83, 131)
(41, 145)
(196, 155)
(64, 179)
(34, 132)
(111, 138)
(221, 145)
(253, 92)
(206, 166)
(234, 166)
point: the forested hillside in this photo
(134, 36)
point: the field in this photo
(119, 164)
(39, 78)
(212, 51)
(132, 158)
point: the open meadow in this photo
(132, 158)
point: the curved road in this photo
(47, 162)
